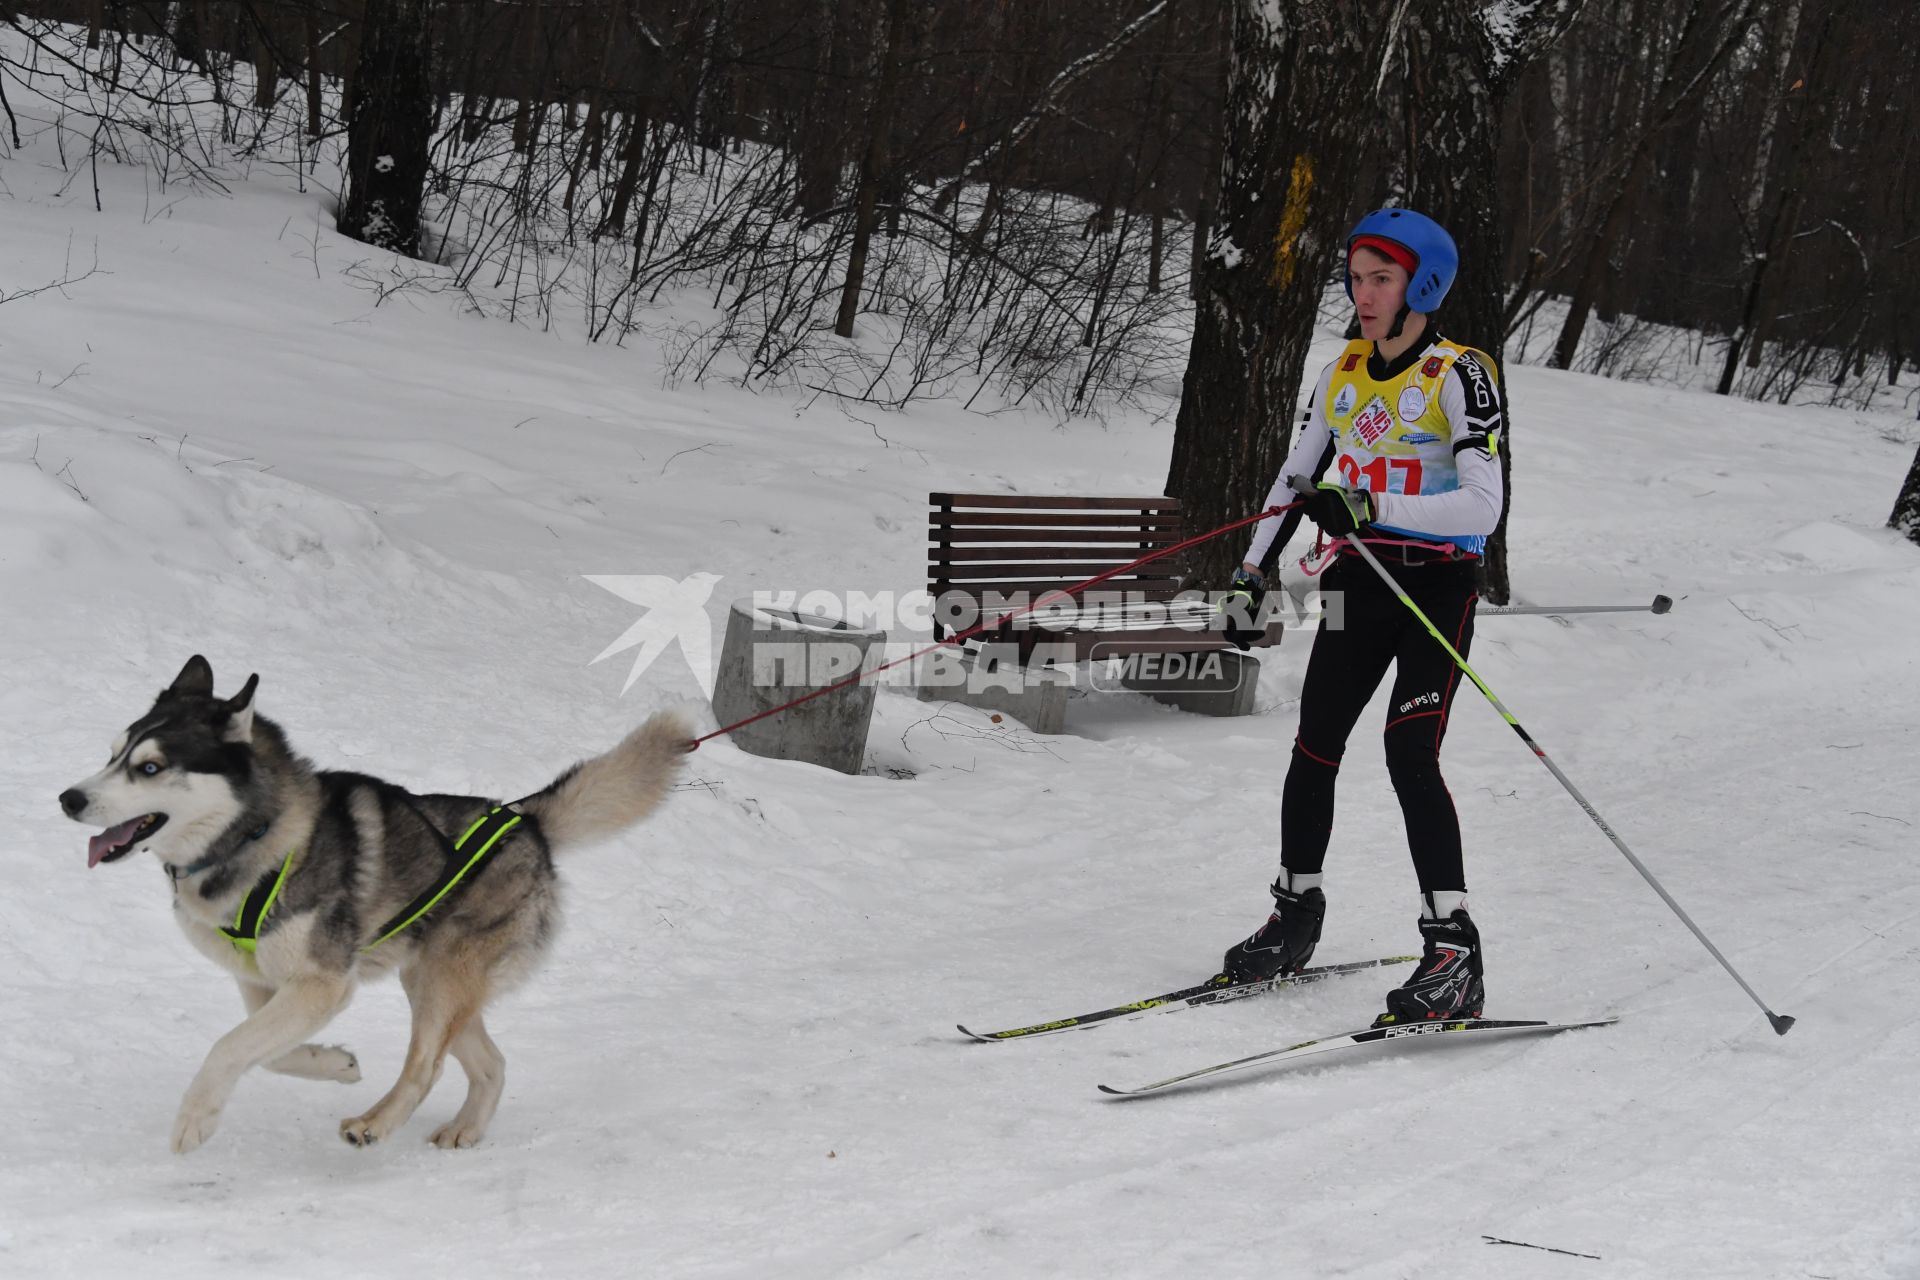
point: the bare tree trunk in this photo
(266, 76)
(1906, 507)
(872, 172)
(315, 100)
(1203, 223)
(1748, 337)
(13, 129)
(715, 87)
(589, 153)
(1711, 31)
(522, 125)
(1460, 70)
(1296, 112)
(657, 161)
(389, 126)
(189, 34)
(819, 153)
(1156, 251)
(629, 181)
(1599, 258)
(1807, 112)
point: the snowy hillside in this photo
(740, 1061)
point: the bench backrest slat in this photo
(1018, 521)
(1145, 539)
(1041, 502)
(1149, 588)
(941, 557)
(1067, 571)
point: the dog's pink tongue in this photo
(107, 841)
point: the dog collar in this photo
(195, 867)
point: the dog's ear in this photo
(194, 681)
(239, 711)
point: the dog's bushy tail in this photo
(601, 797)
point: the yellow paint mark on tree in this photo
(1293, 220)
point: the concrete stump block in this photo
(991, 679)
(771, 656)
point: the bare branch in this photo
(1055, 94)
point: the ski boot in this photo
(1447, 984)
(1282, 945)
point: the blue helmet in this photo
(1436, 260)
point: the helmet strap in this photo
(1399, 320)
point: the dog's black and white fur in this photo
(215, 792)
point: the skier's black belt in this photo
(1413, 556)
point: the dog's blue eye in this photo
(149, 768)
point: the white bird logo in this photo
(676, 611)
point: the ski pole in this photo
(1660, 605)
(1781, 1022)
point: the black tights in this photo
(1343, 671)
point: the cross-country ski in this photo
(1216, 990)
(1395, 1034)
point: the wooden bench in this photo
(990, 553)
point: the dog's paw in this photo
(318, 1062)
(364, 1131)
(456, 1134)
(193, 1126)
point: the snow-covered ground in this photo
(740, 1061)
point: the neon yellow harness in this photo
(244, 933)
(485, 833)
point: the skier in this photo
(1412, 423)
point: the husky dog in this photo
(347, 867)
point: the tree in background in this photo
(889, 39)
(1460, 61)
(1906, 507)
(1678, 69)
(1698, 188)
(390, 115)
(1299, 88)
(1803, 131)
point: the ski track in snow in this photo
(738, 1062)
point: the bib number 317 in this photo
(1373, 476)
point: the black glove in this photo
(1338, 511)
(1241, 607)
